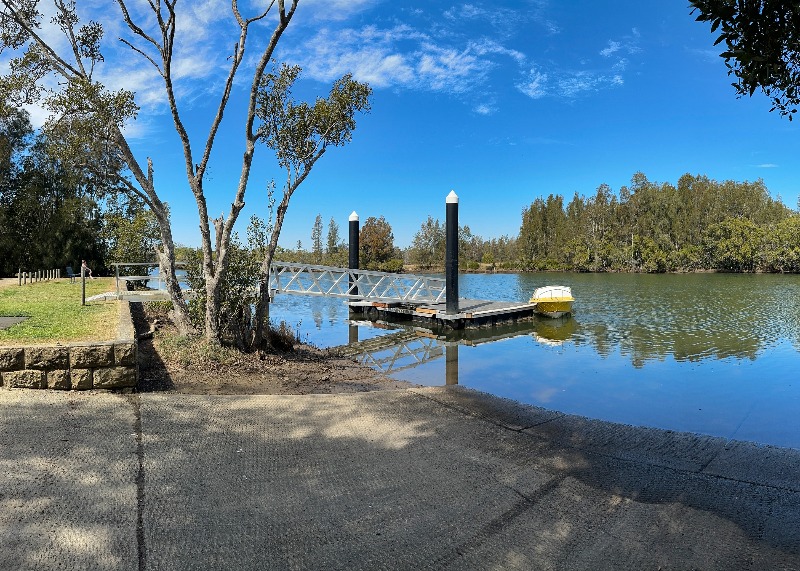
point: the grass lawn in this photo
(55, 312)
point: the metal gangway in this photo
(367, 285)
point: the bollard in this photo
(83, 285)
(451, 254)
(353, 250)
(19, 276)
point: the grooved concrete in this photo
(438, 478)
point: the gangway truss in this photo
(310, 279)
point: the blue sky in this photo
(501, 101)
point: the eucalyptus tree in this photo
(762, 41)
(299, 134)
(428, 244)
(334, 243)
(54, 63)
(316, 239)
(377, 243)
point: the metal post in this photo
(451, 254)
(19, 276)
(354, 248)
(83, 285)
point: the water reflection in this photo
(406, 347)
(716, 354)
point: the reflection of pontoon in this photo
(553, 301)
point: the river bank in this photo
(171, 364)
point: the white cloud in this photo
(334, 10)
(488, 46)
(767, 166)
(570, 83)
(613, 47)
(535, 84)
(396, 57)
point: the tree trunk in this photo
(262, 307)
(166, 259)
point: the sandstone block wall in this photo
(77, 366)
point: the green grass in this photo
(55, 312)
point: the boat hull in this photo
(554, 308)
(553, 301)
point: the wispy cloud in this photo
(398, 57)
(767, 166)
(613, 47)
(558, 81)
(334, 10)
(535, 84)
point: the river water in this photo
(715, 354)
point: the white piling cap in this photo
(354, 217)
(452, 198)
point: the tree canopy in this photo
(52, 62)
(762, 46)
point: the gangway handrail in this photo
(370, 285)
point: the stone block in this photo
(125, 353)
(27, 379)
(114, 378)
(47, 358)
(12, 358)
(59, 379)
(81, 379)
(125, 330)
(91, 356)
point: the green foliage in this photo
(297, 131)
(761, 46)
(782, 246)
(392, 265)
(656, 227)
(130, 231)
(428, 245)
(236, 294)
(376, 242)
(316, 239)
(49, 219)
(734, 245)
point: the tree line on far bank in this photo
(697, 225)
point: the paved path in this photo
(440, 478)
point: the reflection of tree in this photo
(601, 338)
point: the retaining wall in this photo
(75, 366)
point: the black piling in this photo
(354, 247)
(451, 254)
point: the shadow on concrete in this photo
(450, 479)
(153, 373)
(67, 488)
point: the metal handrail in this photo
(159, 278)
(310, 279)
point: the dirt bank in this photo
(168, 363)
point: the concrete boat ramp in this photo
(434, 478)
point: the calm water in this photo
(712, 353)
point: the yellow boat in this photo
(553, 301)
